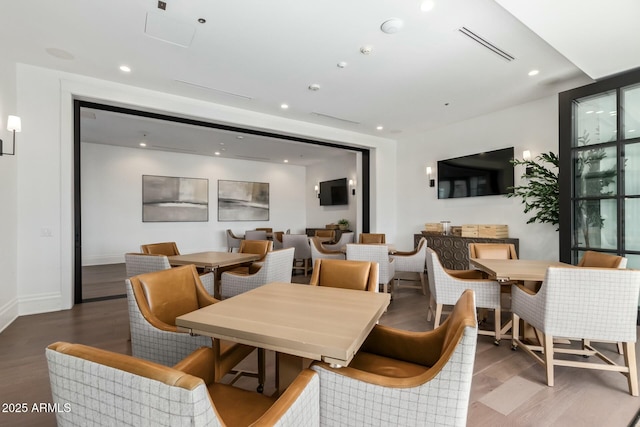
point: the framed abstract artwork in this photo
(243, 201)
(174, 199)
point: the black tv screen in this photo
(482, 174)
(334, 192)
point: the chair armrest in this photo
(402, 253)
(524, 289)
(200, 363)
(465, 274)
(298, 405)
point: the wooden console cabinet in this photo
(453, 250)
(312, 232)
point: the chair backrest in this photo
(277, 239)
(301, 244)
(335, 273)
(492, 251)
(233, 241)
(81, 376)
(368, 238)
(277, 266)
(265, 229)
(164, 248)
(345, 238)
(257, 247)
(319, 251)
(590, 303)
(326, 233)
(255, 235)
(145, 263)
(602, 260)
(413, 261)
(167, 294)
(376, 253)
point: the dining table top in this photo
(516, 269)
(314, 322)
(212, 259)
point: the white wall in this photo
(532, 126)
(112, 200)
(8, 199)
(342, 166)
(45, 169)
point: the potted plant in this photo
(343, 224)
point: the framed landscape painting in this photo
(243, 201)
(174, 199)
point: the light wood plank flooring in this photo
(508, 388)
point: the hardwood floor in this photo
(508, 388)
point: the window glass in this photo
(595, 119)
(631, 111)
(631, 224)
(632, 169)
(595, 172)
(595, 224)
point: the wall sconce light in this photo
(13, 125)
(317, 190)
(432, 182)
(526, 156)
(352, 186)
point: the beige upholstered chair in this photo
(369, 238)
(329, 235)
(335, 273)
(411, 265)
(602, 260)
(233, 241)
(345, 238)
(265, 229)
(404, 378)
(379, 254)
(165, 248)
(492, 251)
(588, 304)
(318, 251)
(155, 300)
(446, 289)
(147, 263)
(103, 388)
(275, 268)
(255, 235)
(302, 258)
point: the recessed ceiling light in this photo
(284, 106)
(286, 161)
(366, 50)
(59, 53)
(125, 69)
(202, 20)
(534, 72)
(631, 130)
(589, 112)
(379, 127)
(392, 26)
(217, 153)
(222, 143)
(239, 137)
(599, 112)
(314, 87)
(427, 5)
(342, 64)
(142, 144)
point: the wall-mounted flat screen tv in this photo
(334, 192)
(482, 174)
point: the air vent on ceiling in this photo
(264, 159)
(223, 92)
(486, 44)
(177, 150)
(335, 118)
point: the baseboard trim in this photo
(40, 303)
(102, 260)
(8, 313)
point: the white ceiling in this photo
(256, 55)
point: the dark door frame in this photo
(77, 211)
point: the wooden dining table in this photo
(211, 261)
(300, 322)
(506, 270)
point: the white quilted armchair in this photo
(320, 252)
(103, 388)
(588, 304)
(446, 288)
(411, 265)
(275, 268)
(345, 238)
(146, 263)
(402, 378)
(376, 253)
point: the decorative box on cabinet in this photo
(453, 251)
(312, 232)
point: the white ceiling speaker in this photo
(366, 50)
(391, 26)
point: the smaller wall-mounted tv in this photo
(482, 174)
(334, 192)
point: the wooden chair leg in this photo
(498, 325)
(423, 282)
(629, 349)
(620, 348)
(438, 315)
(515, 330)
(548, 358)
(430, 308)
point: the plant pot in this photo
(342, 227)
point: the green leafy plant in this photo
(541, 193)
(344, 222)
